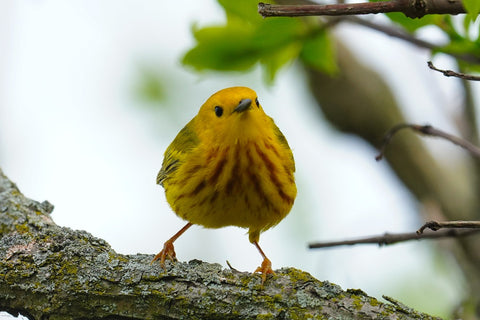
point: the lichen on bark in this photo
(52, 272)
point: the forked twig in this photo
(434, 225)
(450, 73)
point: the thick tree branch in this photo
(412, 9)
(47, 271)
(339, 9)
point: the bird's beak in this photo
(243, 105)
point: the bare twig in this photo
(435, 225)
(391, 238)
(231, 268)
(409, 8)
(431, 131)
(450, 73)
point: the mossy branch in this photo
(50, 272)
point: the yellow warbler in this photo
(229, 166)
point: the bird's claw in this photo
(168, 252)
(265, 268)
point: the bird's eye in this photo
(218, 111)
(257, 103)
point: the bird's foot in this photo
(265, 268)
(168, 252)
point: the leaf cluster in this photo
(461, 32)
(246, 39)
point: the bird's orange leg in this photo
(266, 267)
(168, 251)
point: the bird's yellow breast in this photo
(249, 185)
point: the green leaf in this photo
(466, 23)
(246, 10)
(461, 46)
(318, 53)
(272, 34)
(473, 8)
(274, 62)
(237, 46)
(281, 42)
(222, 48)
(412, 25)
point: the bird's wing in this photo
(183, 143)
(283, 141)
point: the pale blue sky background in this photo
(72, 131)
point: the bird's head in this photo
(231, 115)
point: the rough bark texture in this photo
(50, 272)
(411, 8)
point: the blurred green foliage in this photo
(411, 25)
(149, 86)
(459, 32)
(473, 9)
(247, 39)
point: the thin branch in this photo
(411, 9)
(450, 73)
(391, 238)
(399, 33)
(435, 225)
(392, 31)
(431, 131)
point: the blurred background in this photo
(92, 93)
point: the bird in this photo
(229, 166)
